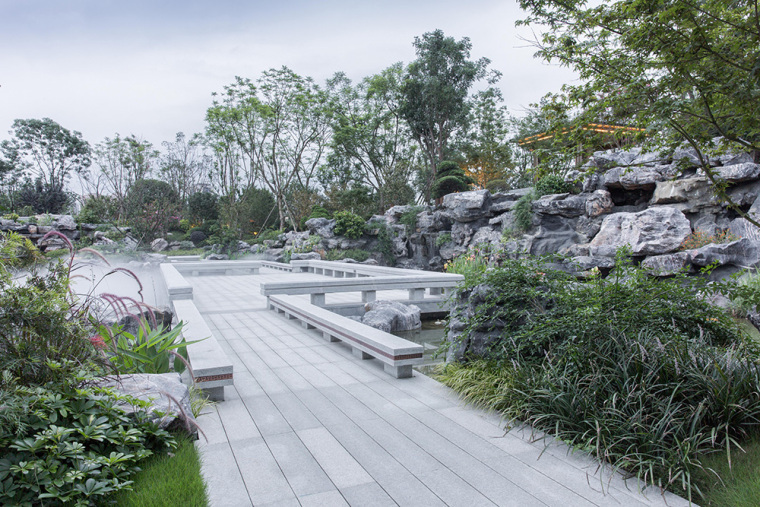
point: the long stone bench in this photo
(397, 355)
(349, 269)
(212, 369)
(176, 284)
(281, 266)
(218, 267)
(368, 286)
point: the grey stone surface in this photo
(391, 316)
(667, 265)
(467, 206)
(653, 231)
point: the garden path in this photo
(307, 423)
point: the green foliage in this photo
(16, 251)
(68, 442)
(41, 198)
(471, 264)
(742, 304)
(184, 225)
(442, 239)
(451, 178)
(98, 210)
(203, 206)
(349, 225)
(318, 211)
(39, 327)
(409, 219)
(523, 212)
(352, 253)
(257, 210)
(729, 479)
(497, 185)
(149, 351)
(26, 211)
(151, 207)
(11, 216)
(551, 184)
(168, 480)
(268, 235)
(385, 243)
(641, 371)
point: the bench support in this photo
(368, 296)
(361, 354)
(415, 294)
(404, 371)
(318, 299)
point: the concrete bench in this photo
(349, 270)
(397, 355)
(281, 266)
(183, 258)
(368, 286)
(218, 267)
(176, 284)
(212, 369)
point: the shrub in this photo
(257, 210)
(442, 239)
(11, 216)
(352, 253)
(68, 442)
(26, 211)
(98, 210)
(385, 243)
(16, 251)
(349, 225)
(409, 219)
(41, 198)
(197, 237)
(471, 265)
(449, 179)
(151, 207)
(641, 371)
(203, 206)
(523, 212)
(698, 239)
(499, 185)
(552, 184)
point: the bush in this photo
(41, 198)
(151, 206)
(67, 442)
(16, 251)
(197, 237)
(349, 225)
(450, 178)
(495, 186)
(442, 239)
(552, 184)
(98, 210)
(203, 206)
(641, 371)
(258, 210)
(523, 212)
(409, 219)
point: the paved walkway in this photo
(307, 423)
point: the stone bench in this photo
(349, 270)
(176, 284)
(397, 355)
(218, 267)
(183, 258)
(212, 369)
(368, 286)
(281, 266)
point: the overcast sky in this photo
(148, 68)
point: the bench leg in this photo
(214, 393)
(436, 291)
(350, 275)
(368, 296)
(360, 354)
(415, 294)
(318, 299)
(306, 325)
(329, 337)
(404, 371)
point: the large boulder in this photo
(391, 316)
(667, 264)
(564, 205)
(159, 245)
(653, 231)
(308, 256)
(738, 173)
(322, 227)
(65, 223)
(695, 190)
(598, 203)
(169, 398)
(467, 206)
(744, 253)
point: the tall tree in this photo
(435, 93)
(486, 146)
(48, 151)
(279, 126)
(371, 144)
(122, 162)
(185, 165)
(683, 70)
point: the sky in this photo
(148, 68)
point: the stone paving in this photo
(307, 423)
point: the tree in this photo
(151, 207)
(185, 165)
(123, 161)
(486, 147)
(371, 143)
(435, 92)
(682, 70)
(451, 178)
(11, 174)
(48, 151)
(278, 126)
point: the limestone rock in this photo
(322, 227)
(686, 156)
(309, 256)
(485, 235)
(744, 253)
(65, 222)
(467, 206)
(129, 243)
(689, 189)
(564, 205)
(653, 231)
(668, 264)
(217, 257)
(585, 262)
(394, 213)
(613, 158)
(598, 203)
(738, 173)
(169, 397)
(391, 316)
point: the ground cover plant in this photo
(642, 372)
(62, 438)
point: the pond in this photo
(430, 336)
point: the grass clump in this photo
(698, 239)
(168, 479)
(352, 253)
(641, 372)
